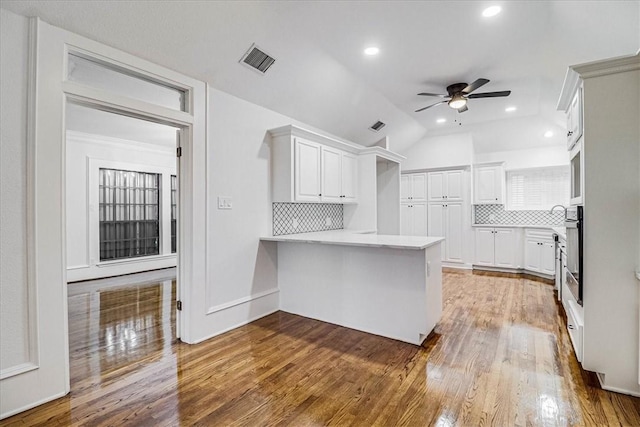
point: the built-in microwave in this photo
(577, 174)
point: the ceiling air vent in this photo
(377, 126)
(257, 60)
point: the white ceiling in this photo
(322, 78)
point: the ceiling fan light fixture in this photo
(458, 101)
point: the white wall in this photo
(241, 277)
(13, 190)
(86, 153)
(556, 155)
(439, 152)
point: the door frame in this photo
(45, 376)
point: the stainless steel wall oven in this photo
(575, 238)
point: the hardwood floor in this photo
(500, 356)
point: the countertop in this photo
(358, 238)
(548, 227)
(560, 231)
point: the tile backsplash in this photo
(496, 214)
(293, 218)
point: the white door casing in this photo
(48, 376)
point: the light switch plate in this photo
(225, 203)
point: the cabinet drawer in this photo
(575, 328)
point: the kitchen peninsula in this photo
(387, 285)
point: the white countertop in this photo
(560, 231)
(358, 238)
(548, 227)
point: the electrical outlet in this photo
(295, 223)
(225, 203)
(328, 222)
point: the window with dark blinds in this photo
(174, 213)
(537, 189)
(129, 214)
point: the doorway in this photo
(121, 217)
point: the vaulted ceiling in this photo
(321, 76)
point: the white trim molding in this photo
(242, 300)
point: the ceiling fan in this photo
(460, 93)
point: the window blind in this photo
(537, 189)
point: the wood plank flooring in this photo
(500, 356)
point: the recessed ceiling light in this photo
(548, 134)
(371, 51)
(510, 109)
(441, 120)
(491, 11)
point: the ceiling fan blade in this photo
(490, 94)
(463, 109)
(432, 105)
(475, 85)
(433, 94)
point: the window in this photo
(537, 189)
(129, 214)
(174, 214)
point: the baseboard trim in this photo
(32, 405)
(235, 326)
(513, 273)
(242, 300)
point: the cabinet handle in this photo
(496, 198)
(570, 133)
(570, 326)
(319, 194)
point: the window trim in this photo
(93, 233)
(539, 170)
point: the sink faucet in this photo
(563, 208)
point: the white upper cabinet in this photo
(445, 185)
(574, 119)
(307, 171)
(488, 184)
(349, 177)
(413, 187)
(331, 189)
(313, 168)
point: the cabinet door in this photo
(349, 177)
(532, 250)
(453, 223)
(406, 219)
(488, 185)
(419, 219)
(484, 253)
(418, 187)
(453, 185)
(505, 248)
(307, 171)
(574, 120)
(548, 258)
(436, 226)
(436, 185)
(331, 175)
(405, 187)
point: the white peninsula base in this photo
(375, 284)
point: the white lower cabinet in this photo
(445, 219)
(413, 219)
(539, 252)
(497, 247)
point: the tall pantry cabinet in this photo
(445, 213)
(435, 203)
(607, 141)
